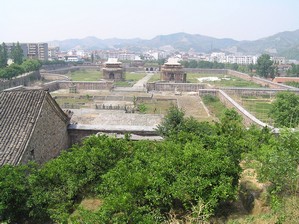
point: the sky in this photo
(48, 20)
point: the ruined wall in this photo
(49, 137)
(248, 119)
(258, 80)
(23, 80)
(181, 87)
(100, 85)
(76, 135)
(206, 71)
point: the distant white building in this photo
(72, 58)
(241, 60)
(278, 60)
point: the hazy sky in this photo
(45, 20)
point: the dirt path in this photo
(193, 106)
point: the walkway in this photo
(139, 86)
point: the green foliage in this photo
(3, 55)
(295, 84)
(31, 65)
(142, 108)
(264, 66)
(50, 193)
(294, 71)
(17, 54)
(14, 193)
(14, 69)
(172, 123)
(164, 176)
(276, 160)
(285, 110)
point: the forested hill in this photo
(283, 44)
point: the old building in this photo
(172, 71)
(32, 127)
(113, 70)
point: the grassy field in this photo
(230, 81)
(86, 75)
(156, 106)
(92, 75)
(215, 107)
(155, 78)
(74, 102)
(259, 107)
(131, 79)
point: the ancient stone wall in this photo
(180, 87)
(248, 119)
(205, 71)
(77, 134)
(99, 85)
(23, 80)
(258, 80)
(49, 137)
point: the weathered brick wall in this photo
(49, 137)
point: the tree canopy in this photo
(285, 110)
(3, 55)
(17, 54)
(264, 66)
(188, 176)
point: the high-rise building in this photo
(32, 50)
(38, 51)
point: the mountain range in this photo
(281, 44)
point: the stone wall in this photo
(50, 135)
(23, 80)
(180, 87)
(258, 80)
(248, 119)
(78, 133)
(205, 71)
(99, 85)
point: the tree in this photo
(17, 54)
(285, 110)
(14, 193)
(3, 55)
(172, 123)
(264, 66)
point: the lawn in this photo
(226, 81)
(156, 106)
(259, 107)
(131, 79)
(155, 78)
(214, 105)
(86, 75)
(74, 102)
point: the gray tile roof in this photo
(19, 111)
